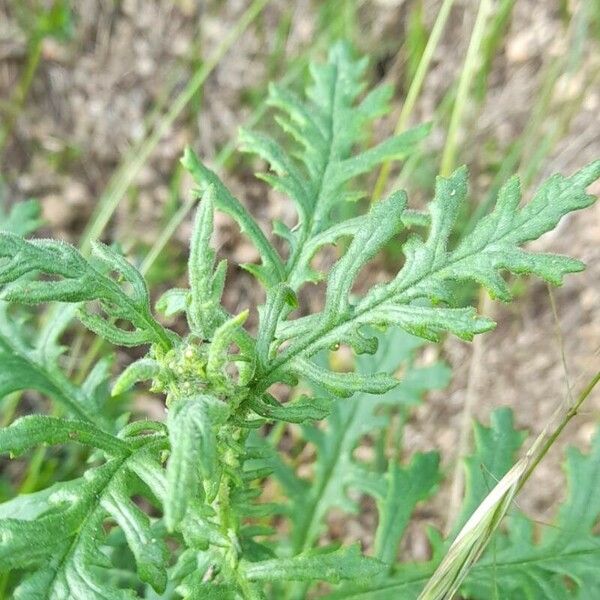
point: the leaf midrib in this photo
(95, 505)
(308, 230)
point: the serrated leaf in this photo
(406, 487)
(63, 539)
(495, 242)
(78, 280)
(150, 552)
(90, 537)
(326, 128)
(300, 410)
(490, 488)
(420, 297)
(272, 266)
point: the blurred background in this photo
(98, 98)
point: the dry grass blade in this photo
(479, 529)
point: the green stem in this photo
(466, 77)
(415, 89)
(566, 418)
(229, 522)
(30, 482)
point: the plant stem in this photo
(564, 421)
(464, 437)
(466, 77)
(414, 89)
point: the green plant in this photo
(171, 509)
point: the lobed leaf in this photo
(62, 539)
(405, 488)
(75, 279)
(420, 297)
(192, 438)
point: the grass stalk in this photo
(481, 526)
(137, 157)
(564, 418)
(16, 103)
(448, 160)
(415, 89)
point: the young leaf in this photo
(144, 369)
(206, 283)
(272, 268)
(326, 129)
(193, 457)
